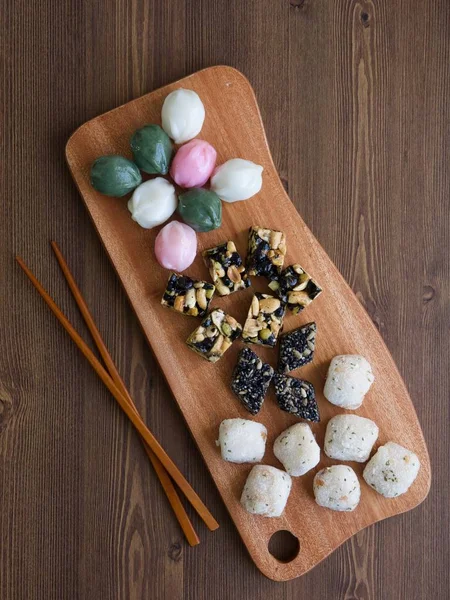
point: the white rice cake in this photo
(337, 488)
(297, 449)
(349, 437)
(348, 381)
(391, 470)
(266, 491)
(242, 441)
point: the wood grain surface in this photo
(354, 99)
(233, 126)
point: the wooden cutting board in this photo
(233, 126)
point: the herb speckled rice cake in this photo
(266, 491)
(392, 470)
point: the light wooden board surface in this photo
(233, 125)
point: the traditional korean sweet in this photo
(153, 202)
(250, 380)
(152, 149)
(237, 179)
(176, 246)
(296, 396)
(215, 335)
(187, 296)
(193, 164)
(182, 115)
(297, 348)
(266, 252)
(264, 320)
(226, 268)
(201, 209)
(114, 175)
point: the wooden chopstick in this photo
(162, 474)
(134, 417)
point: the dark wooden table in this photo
(354, 96)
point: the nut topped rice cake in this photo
(187, 296)
(296, 288)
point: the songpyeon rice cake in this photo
(348, 381)
(296, 448)
(266, 491)
(242, 441)
(391, 470)
(337, 488)
(349, 437)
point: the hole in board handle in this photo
(284, 546)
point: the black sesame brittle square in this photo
(250, 380)
(297, 347)
(296, 396)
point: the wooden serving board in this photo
(233, 126)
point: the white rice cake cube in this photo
(266, 491)
(348, 381)
(337, 488)
(242, 441)
(296, 448)
(392, 470)
(349, 437)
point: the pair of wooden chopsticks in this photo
(161, 462)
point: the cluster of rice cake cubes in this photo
(391, 470)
